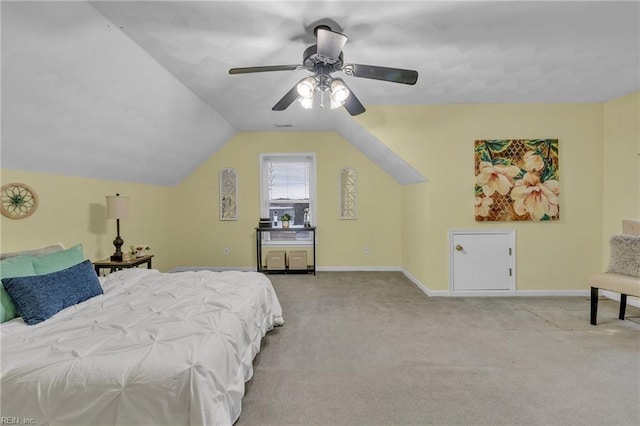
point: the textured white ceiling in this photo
(79, 98)
(465, 52)
(140, 91)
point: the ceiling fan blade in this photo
(353, 104)
(287, 99)
(247, 70)
(330, 43)
(395, 75)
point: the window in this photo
(288, 185)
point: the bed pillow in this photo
(54, 262)
(18, 266)
(35, 252)
(39, 297)
(624, 258)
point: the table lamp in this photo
(117, 208)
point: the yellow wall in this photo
(438, 142)
(340, 242)
(181, 223)
(621, 166)
(72, 210)
(403, 226)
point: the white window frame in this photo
(264, 191)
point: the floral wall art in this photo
(517, 180)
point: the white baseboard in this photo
(213, 268)
(633, 301)
(424, 288)
(555, 293)
(481, 293)
(358, 269)
(497, 293)
(320, 269)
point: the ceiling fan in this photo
(322, 59)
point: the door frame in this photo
(512, 262)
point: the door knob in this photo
(459, 247)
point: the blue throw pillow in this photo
(54, 262)
(39, 297)
(18, 266)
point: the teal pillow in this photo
(19, 266)
(54, 262)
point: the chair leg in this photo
(594, 305)
(623, 305)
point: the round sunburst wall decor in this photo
(18, 200)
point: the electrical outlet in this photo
(365, 250)
(226, 251)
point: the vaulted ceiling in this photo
(465, 52)
(64, 60)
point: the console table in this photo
(259, 243)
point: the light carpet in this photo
(369, 348)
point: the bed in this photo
(154, 349)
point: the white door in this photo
(482, 262)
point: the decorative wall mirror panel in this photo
(348, 194)
(228, 195)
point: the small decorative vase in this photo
(285, 223)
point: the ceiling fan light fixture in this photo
(321, 60)
(307, 87)
(339, 93)
(335, 104)
(307, 103)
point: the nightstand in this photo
(116, 266)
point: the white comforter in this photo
(155, 349)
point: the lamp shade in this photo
(307, 103)
(117, 207)
(339, 93)
(306, 87)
